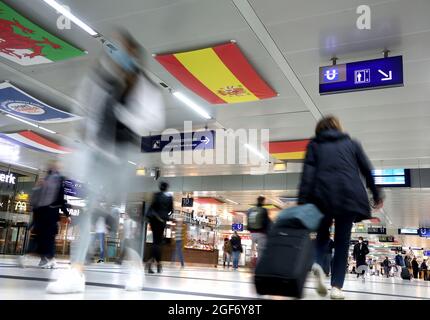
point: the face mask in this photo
(120, 56)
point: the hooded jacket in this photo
(333, 173)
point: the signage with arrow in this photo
(362, 75)
(185, 141)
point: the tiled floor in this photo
(106, 281)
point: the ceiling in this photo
(297, 36)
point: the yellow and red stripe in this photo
(288, 150)
(220, 74)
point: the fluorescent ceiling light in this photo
(59, 7)
(30, 123)
(255, 151)
(22, 120)
(231, 201)
(133, 163)
(192, 105)
(23, 165)
(47, 130)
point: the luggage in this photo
(305, 216)
(405, 274)
(283, 268)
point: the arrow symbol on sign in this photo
(388, 76)
(206, 140)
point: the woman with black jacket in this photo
(332, 180)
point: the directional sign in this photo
(187, 202)
(183, 141)
(362, 75)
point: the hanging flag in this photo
(288, 150)
(32, 140)
(20, 104)
(220, 74)
(25, 43)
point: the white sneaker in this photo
(320, 276)
(71, 281)
(135, 280)
(50, 264)
(337, 294)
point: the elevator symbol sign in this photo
(362, 76)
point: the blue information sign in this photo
(183, 141)
(362, 75)
(424, 232)
(237, 227)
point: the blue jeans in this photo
(178, 252)
(101, 238)
(342, 238)
(236, 255)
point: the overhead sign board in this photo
(386, 239)
(237, 227)
(187, 202)
(376, 230)
(408, 231)
(424, 232)
(181, 142)
(362, 75)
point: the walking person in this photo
(359, 254)
(180, 236)
(227, 252)
(236, 248)
(328, 259)
(400, 262)
(258, 225)
(423, 269)
(111, 126)
(129, 233)
(332, 180)
(386, 266)
(101, 230)
(158, 215)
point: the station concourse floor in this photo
(106, 281)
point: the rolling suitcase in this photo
(283, 267)
(405, 274)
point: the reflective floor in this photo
(106, 282)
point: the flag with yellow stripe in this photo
(220, 74)
(288, 150)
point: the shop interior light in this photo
(66, 13)
(280, 167)
(254, 151)
(192, 105)
(141, 172)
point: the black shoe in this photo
(100, 261)
(149, 269)
(159, 268)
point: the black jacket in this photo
(415, 266)
(265, 220)
(236, 243)
(332, 176)
(360, 254)
(162, 205)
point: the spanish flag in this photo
(219, 75)
(288, 150)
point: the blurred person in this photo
(47, 200)
(236, 248)
(158, 215)
(415, 267)
(101, 230)
(129, 233)
(359, 253)
(424, 268)
(332, 180)
(180, 235)
(109, 132)
(411, 253)
(258, 225)
(400, 262)
(408, 263)
(386, 265)
(227, 252)
(328, 259)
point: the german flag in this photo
(220, 74)
(288, 150)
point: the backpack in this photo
(256, 218)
